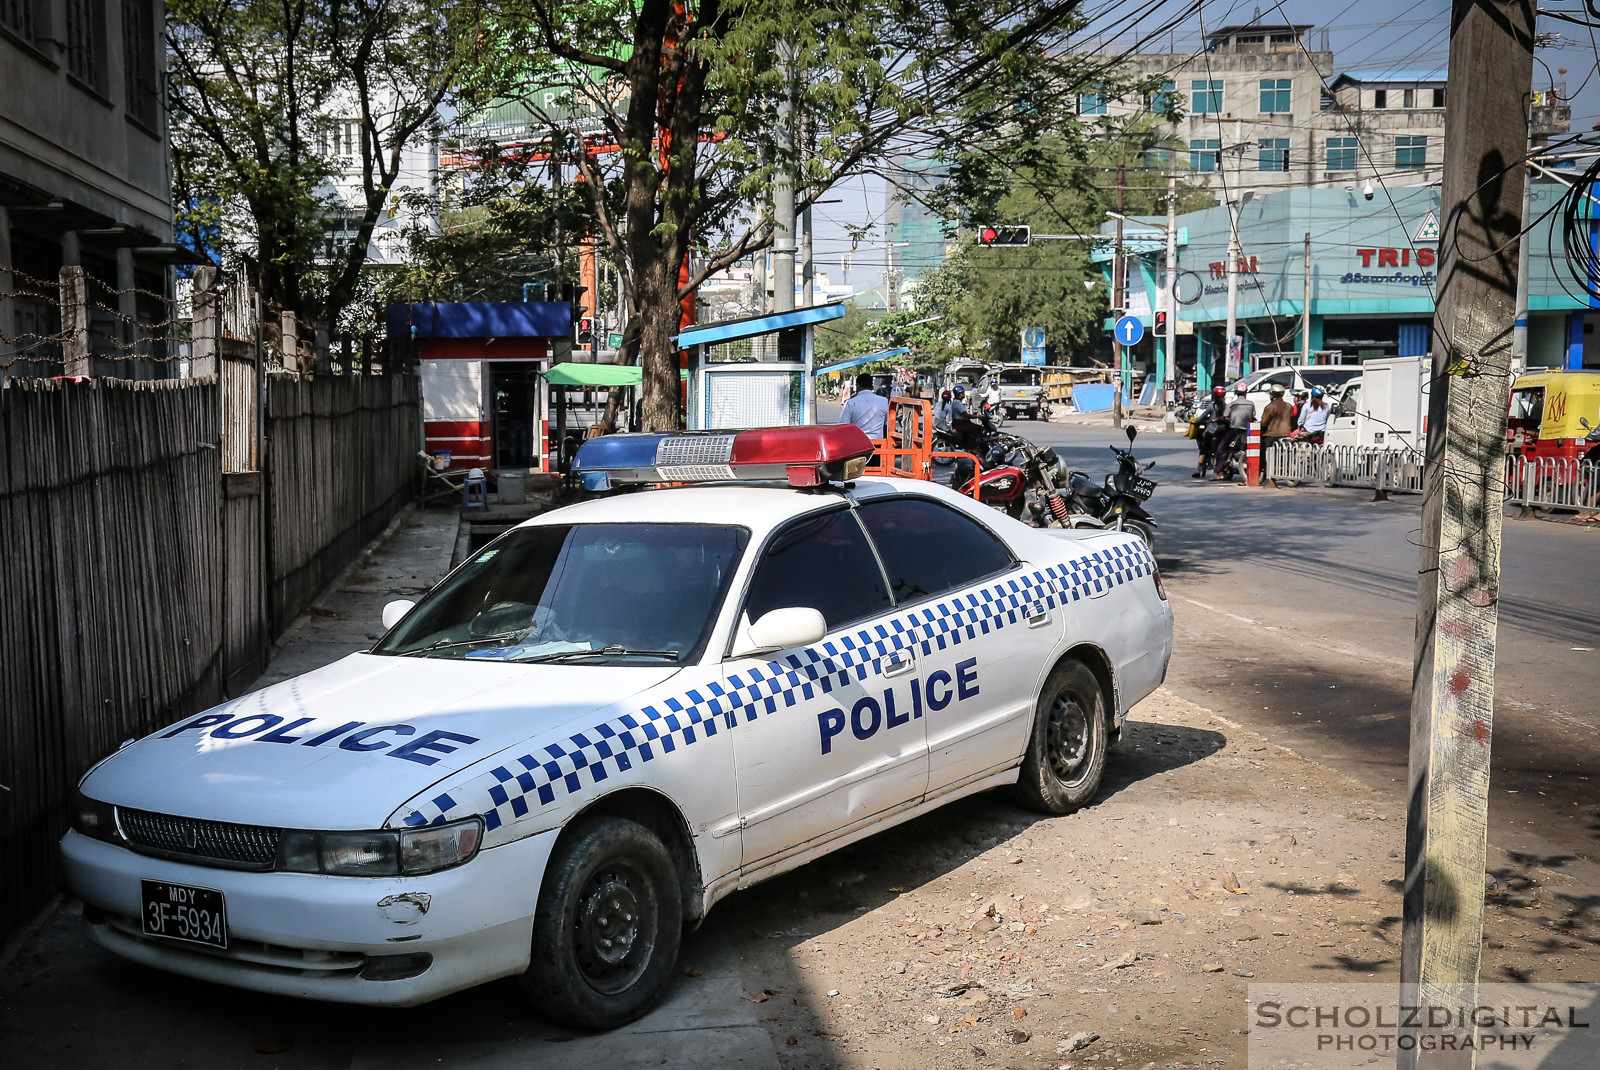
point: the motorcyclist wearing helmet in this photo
(1209, 422)
(1315, 415)
(1239, 415)
(970, 430)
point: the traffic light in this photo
(585, 332)
(1007, 236)
(1161, 322)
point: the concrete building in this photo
(1372, 267)
(918, 240)
(1264, 109)
(413, 203)
(84, 182)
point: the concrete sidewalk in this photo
(410, 557)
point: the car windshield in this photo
(1329, 378)
(587, 594)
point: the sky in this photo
(1363, 35)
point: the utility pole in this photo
(1118, 289)
(808, 268)
(1458, 587)
(1519, 338)
(1235, 251)
(1170, 388)
(783, 190)
(1305, 308)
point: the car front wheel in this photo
(1066, 754)
(609, 922)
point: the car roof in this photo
(758, 506)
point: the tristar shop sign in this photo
(1396, 258)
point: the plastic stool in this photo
(475, 482)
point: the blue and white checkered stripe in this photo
(510, 791)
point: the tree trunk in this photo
(657, 282)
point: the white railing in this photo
(1547, 482)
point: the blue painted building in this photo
(1373, 267)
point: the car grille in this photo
(208, 843)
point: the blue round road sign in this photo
(1129, 330)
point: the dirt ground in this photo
(982, 935)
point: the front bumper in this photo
(314, 936)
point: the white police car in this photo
(610, 718)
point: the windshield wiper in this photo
(592, 652)
(450, 644)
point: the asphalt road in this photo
(1296, 613)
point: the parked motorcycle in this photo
(1117, 503)
(1001, 482)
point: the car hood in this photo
(344, 746)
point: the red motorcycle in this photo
(1002, 483)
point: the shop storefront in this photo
(1370, 268)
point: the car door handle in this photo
(1039, 619)
(904, 664)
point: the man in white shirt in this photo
(867, 409)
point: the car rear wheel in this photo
(609, 922)
(1066, 755)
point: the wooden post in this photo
(74, 321)
(206, 328)
(1458, 590)
(290, 335)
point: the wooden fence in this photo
(141, 581)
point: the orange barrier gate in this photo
(906, 450)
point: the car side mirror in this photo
(395, 610)
(1583, 423)
(1133, 433)
(781, 629)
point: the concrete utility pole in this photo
(74, 321)
(1458, 590)
(783, 191)
(1170, 388)
(1519, 338)
(1235, 251)
(1118, 290)
(1305, 307)
(808, 267)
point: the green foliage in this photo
(257, 92)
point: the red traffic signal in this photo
(1005, 236)
(1161, 321)
(585, 333)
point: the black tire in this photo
(600, 867)
(1141, 529)
(1066, 755)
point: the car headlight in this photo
(95, 819)
(386, 853)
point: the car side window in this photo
(929, 548)
(823, 563)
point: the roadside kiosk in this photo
(755, 371)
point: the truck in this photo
(1385, 407)
(1021, 390)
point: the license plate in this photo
(1143, 488)
(181, 912)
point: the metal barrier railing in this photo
(1544, 482)
(906, 449)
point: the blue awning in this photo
(882, 354)
(481, 319)
(751, 326)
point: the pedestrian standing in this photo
(867, 409)
(1239, 415)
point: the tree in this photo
(671, 114)
(986, 296)
(270, 100)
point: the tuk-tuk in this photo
(1545, 407)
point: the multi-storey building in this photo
(84, 181)
(1264, 110)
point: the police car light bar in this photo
(805, 456)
